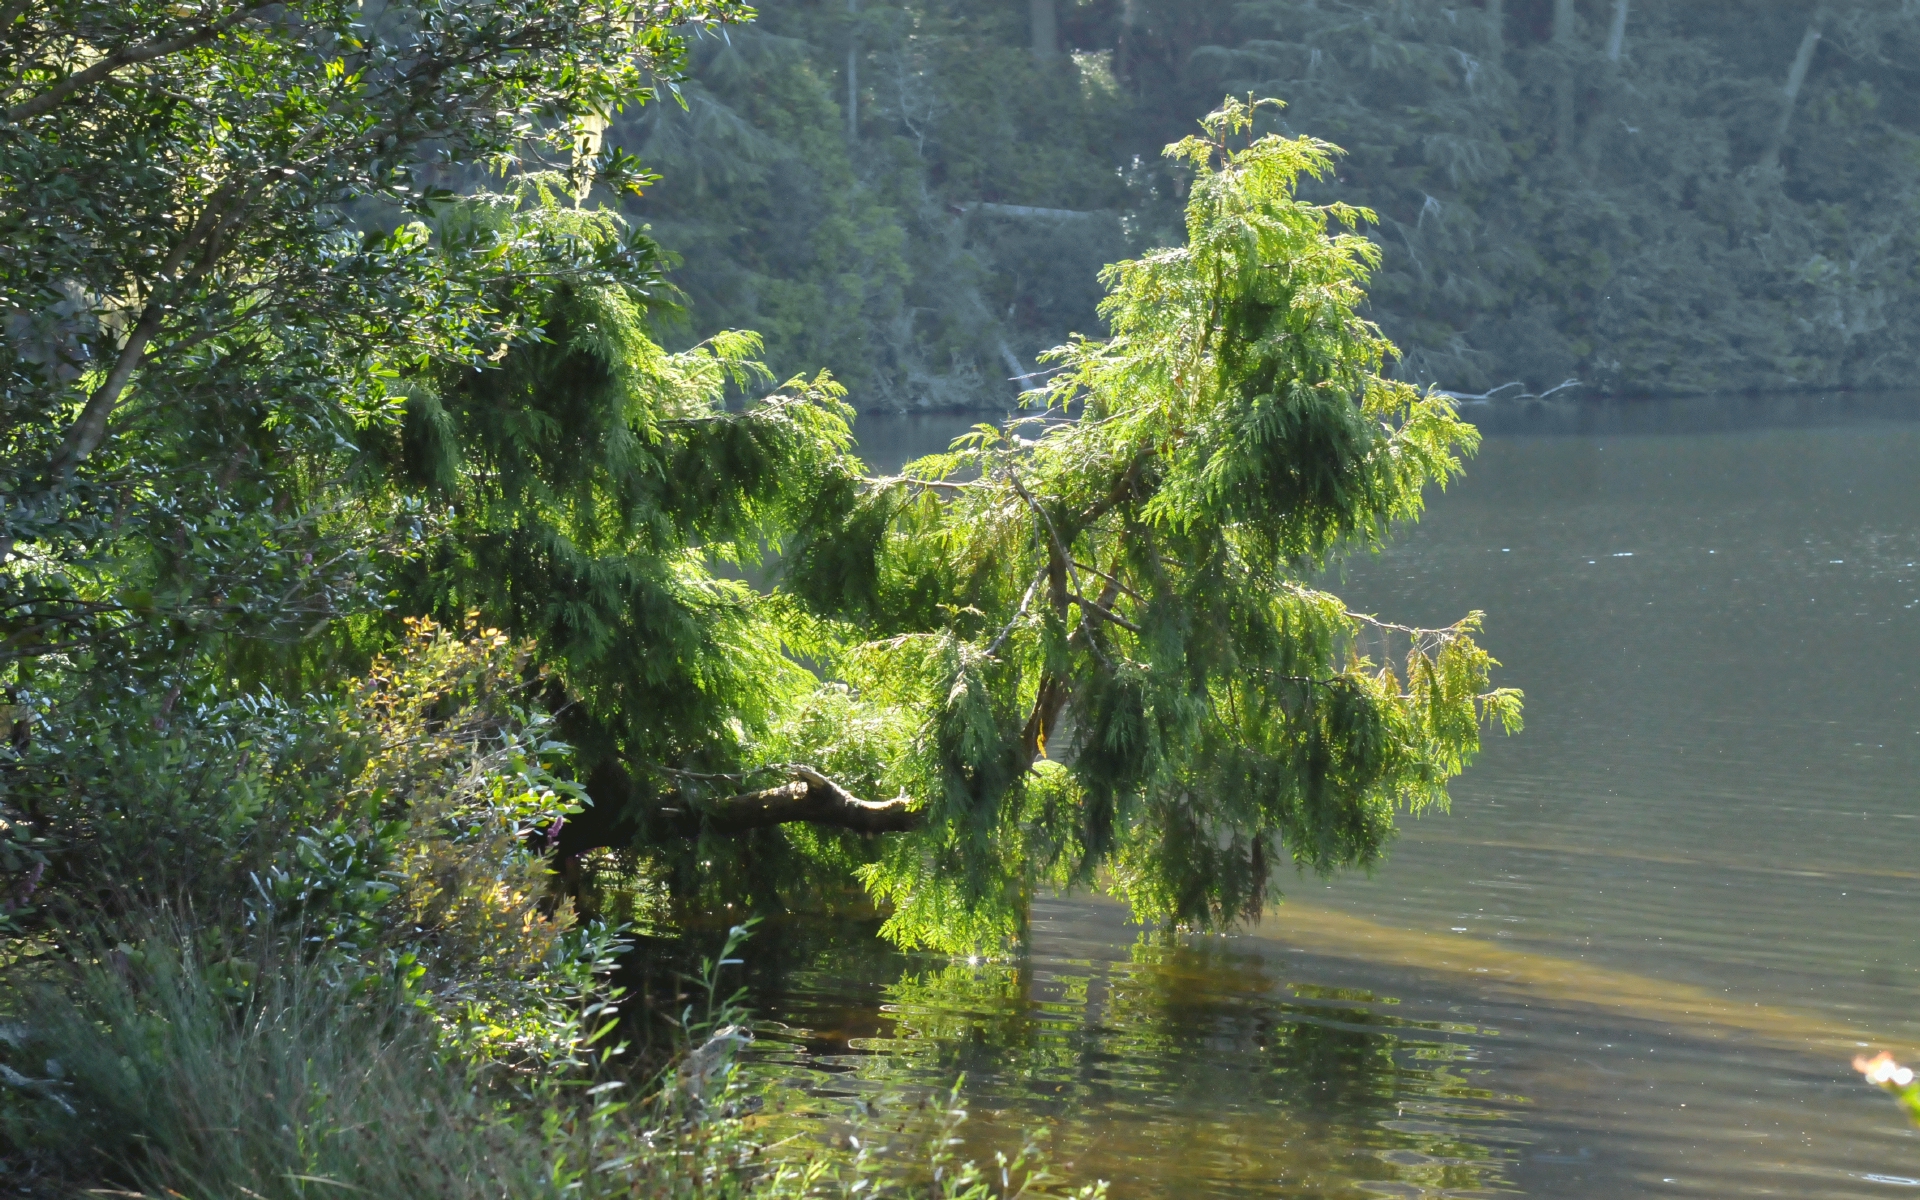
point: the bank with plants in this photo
(380, 595)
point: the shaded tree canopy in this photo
(224, 239)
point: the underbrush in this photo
(143, 1069)
(260, 950)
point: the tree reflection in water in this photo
(1183, 1068)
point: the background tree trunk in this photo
(1617, 36)
(1796, 78)
(853, 76)
(1564, 21)
(1046, 30)
(1123, 47)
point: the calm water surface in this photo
(1633, 960)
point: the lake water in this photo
(1636, 957)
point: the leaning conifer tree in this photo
(1097, 635)
(1078, 649)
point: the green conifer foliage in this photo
(592, 483)
(1080, 649)
(1105, 626)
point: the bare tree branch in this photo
(1102, 611)
(1026, 600)
(1114, 580)
(914, 481)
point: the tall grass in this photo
(266, 1079)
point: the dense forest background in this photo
(1644, 195)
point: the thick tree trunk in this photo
(1048, 703)
(1617, 36)
(1046, 30)
(1796, 79)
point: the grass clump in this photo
(165, 1073)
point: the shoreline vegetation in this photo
(280, 1075)
(390, 623)
(377, 594)
(387, 1007)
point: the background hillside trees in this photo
(1649, 195)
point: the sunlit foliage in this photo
(219, 255)
(1106, 619)
(287, 390)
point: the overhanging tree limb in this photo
(809, 797)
